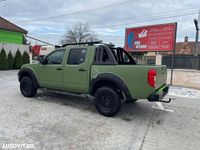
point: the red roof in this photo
(7, 25)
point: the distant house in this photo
(184, 58)
(12, 37)
(186, 47)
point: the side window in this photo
(76, 56)
(105, 57)
(55, 57)
(125, 58)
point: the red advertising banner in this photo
(151, 38)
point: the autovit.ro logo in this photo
(17, 146)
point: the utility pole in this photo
(196, 22)
(198, 34)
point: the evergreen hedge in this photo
(17, 60)
(3, 60)
(10, 60)
(25, 58)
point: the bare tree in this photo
(80, 33)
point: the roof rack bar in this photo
(82, 43)
(109, 45)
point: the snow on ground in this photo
(184, 92)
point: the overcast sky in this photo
(49, 19)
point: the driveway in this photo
(59, 121)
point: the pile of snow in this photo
(184, 92)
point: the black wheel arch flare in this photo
(28, 72)
(110, 78)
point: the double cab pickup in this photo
(108, 74)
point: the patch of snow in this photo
(184, 92)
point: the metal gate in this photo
(182, 62)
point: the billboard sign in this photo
(151, 38)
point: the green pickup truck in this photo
(108, 74)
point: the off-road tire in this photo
(27, 88)
(107, 101)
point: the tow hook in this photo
(167, 101)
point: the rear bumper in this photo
(159, 94)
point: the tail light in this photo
(152, 77)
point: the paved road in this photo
(54, 121)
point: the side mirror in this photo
(42, 60)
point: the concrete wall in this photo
(14, 47)
(158, 59)
(185, 77)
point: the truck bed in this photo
(135, 77)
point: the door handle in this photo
(81, 69)
(59, 69)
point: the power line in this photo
(39, 40)
(147, 20)
(144, 19)
(140, 18)
(152, 15)
(81, 11)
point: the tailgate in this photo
(161, 77)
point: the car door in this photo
(51, 73)
(76, 70)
